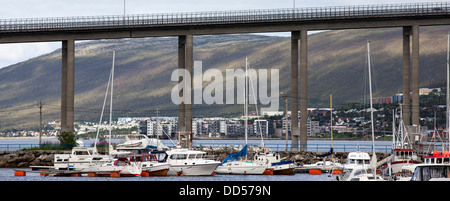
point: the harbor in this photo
(43, 161)
(212, 130)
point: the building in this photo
(313, 128)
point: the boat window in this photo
(81, 153)
(191, 156)
(178, 156)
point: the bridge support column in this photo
(181, 65)
(295, 130)
(185, 61)
(68, 85)
(190, 69)
(415, 75)
(407, 31)
(303, 89)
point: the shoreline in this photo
(207, 138)
(53, 137)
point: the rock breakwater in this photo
(25, 159)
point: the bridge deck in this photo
(298, 15)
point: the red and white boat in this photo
(437, 158)
(150, 164)
(400, 158)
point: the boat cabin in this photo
(143, 158)
(437, 158)
(358, 158)
(431, 172)
(184, 154)
(405, 154)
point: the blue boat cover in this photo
(236, 156)
(326, 154)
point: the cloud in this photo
(14, 53)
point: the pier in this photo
(297, 21)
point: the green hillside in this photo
(336, 64)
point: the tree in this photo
(67, 139)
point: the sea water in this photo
(7, 174)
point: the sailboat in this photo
(237, 163)
(364, 172)
(120, 161)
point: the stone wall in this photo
(25, 159)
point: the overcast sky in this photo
(14, 53)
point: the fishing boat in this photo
(190, 163)
(150, 164)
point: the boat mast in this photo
(331, 119)
(371, 106)
(331, 124)
(246, 99)
(111, 100)
(103, 109)
(394, 144)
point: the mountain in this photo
(336, 65)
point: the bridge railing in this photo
(223, 17)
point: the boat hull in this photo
(205, 169)
(158, 169)
(283, 171)
(241, 168)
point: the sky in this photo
(14, 53)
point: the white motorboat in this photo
(431, 172)
(324, 166)
(150, 164)
(121, 165)
(357, 160)
(79, 159)
(190, 163)
(360, 174)
(141, 144)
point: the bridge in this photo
(298, 21)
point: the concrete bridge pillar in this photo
(407, 32)
(295, 130)
(67, 85)
(181, 65)
(303, 88)
(299, 132)
(415, 75)
(185, 61)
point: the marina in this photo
(293, 150)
